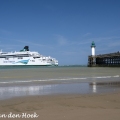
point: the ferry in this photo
(26, 57)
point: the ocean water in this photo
(23, 81)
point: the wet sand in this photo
(65, 107)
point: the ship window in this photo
(20, 58)
(33, 60)
(6, 58)
(2, 57)
(36, 57)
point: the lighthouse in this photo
(93, 48)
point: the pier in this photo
(103, 60)
(108, 60)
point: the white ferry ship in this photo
(26, 57)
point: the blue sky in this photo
(63, 29)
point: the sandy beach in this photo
(61, 93)
(65, 107)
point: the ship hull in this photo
(25, 62)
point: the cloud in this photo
(106, 38)
(35, 44)
(84, 41)
(87, 34)
(18, 43)
(69, 53)
(6, 47)
(61, 40)
(114, 44)
(5, 32)
(30, 43)
(109, 41)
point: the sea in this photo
(56, 80)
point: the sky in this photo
(63, 29)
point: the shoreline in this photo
(105, 106)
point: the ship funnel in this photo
(26, 48)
